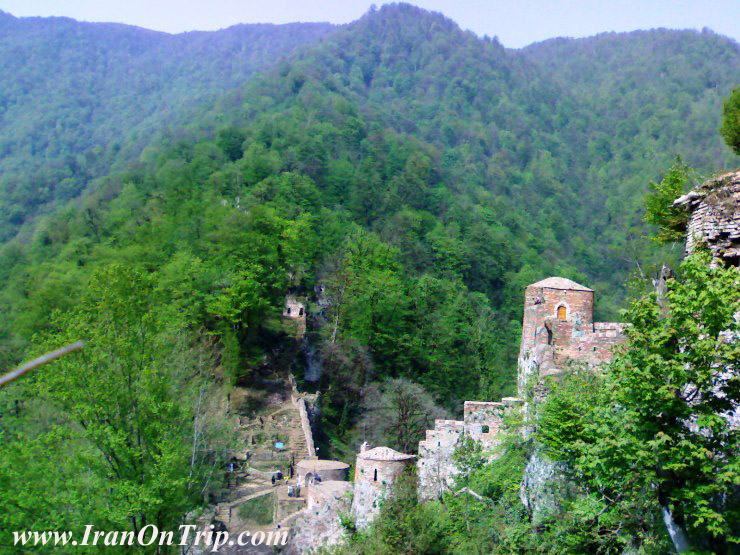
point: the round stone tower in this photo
(376, 471)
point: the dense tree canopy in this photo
(418, 177)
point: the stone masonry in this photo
(376, 472)
(557, 330)
(714, 217)
(482, 421)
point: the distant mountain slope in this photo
(73, 94)
(552, 146)
(647, 95)
(566, 134)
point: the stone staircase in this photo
(297, 443)
(286, 421)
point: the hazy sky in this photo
(515, 22)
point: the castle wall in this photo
(435, 469)
(481, 416)
(483, 421)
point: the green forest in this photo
(160, 195)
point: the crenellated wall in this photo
(557, 331)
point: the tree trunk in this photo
(675, 531)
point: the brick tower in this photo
(558, 329)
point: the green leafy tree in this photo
(659, 428)
(660, 211)
(731, 121)
(134, 404)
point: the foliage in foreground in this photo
(124, 433)
(656, 426)
(649, 434)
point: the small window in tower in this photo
(375, 475)
(287, 310)
(562, 313)
(300, 311)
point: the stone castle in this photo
(558, 330)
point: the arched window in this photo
(562, 313)
(375, 475)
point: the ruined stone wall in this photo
(435, 469)
(592, 347)
(714, 217)
(319, 524)
(295, 311)
(483, 422)
(300, 404)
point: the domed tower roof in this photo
(560, 283)
(383, 454)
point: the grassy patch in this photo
(258, 510)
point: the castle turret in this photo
(376, 472)
(559, 329)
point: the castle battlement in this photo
(557, 331)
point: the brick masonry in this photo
(557, 331)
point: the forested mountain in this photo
(75, 97)
(645, 96)
(423, 176)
